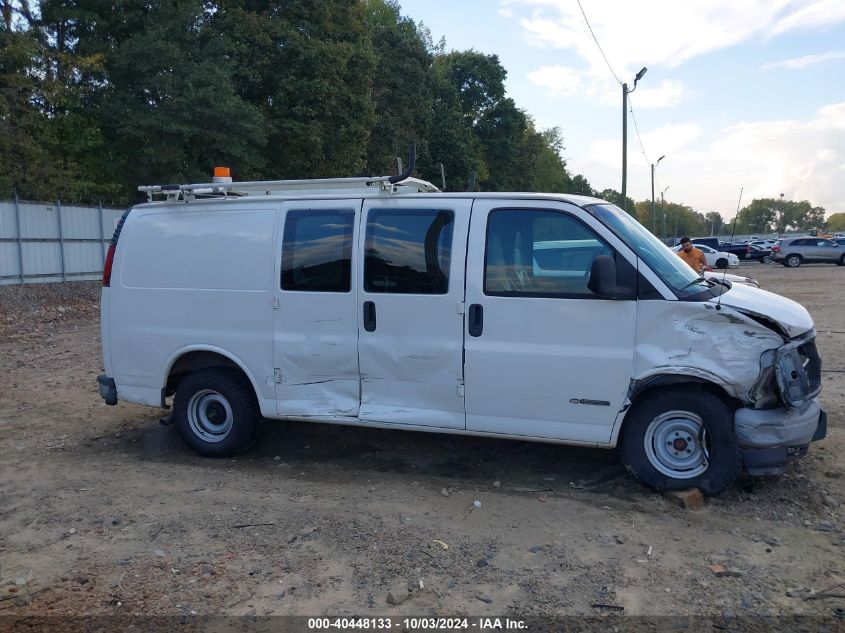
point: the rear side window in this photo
(408, 251)
(317, 251)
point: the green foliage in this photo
(402, 85)
(836, 222)
(581, 186)
(614, 197)
(767, 215)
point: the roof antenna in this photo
(442, 176)
(412, 161)
(733, 231)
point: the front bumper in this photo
(771, 438)
(108, 390)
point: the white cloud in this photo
(814, 14)
(560, 80)
(668, 140)
(763, 157)
(807, 60)
(664, 32)
(669, 93)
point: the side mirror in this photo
(603, 277)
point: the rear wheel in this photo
(216, 412)
(792, 261)
(682, 438)
(721, 263)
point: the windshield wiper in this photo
(695, 281)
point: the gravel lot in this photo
(104, 511)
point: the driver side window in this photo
(540, 254)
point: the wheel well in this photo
(195, 361)
(661, 382)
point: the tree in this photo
(717, 223)
(614, 197)
(479, 80)
(308, 68)
(581, 186)
(501, 132)
(836, 222)
(767, 215)
(549, 168)
(402, 85)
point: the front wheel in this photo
(722, 263)
(841, 261)
(216, 412)
(766, 259)
(681, 438)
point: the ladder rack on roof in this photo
(224, 187)
(271, 187)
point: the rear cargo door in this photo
(315, 342)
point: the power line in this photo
(636, 127)
(597, 44)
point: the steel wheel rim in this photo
(210, 415)
(675, 443)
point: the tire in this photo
(216, 412)
(721, 263)
(682, 417)
(767, 259)
(841, 261)
(792, 261)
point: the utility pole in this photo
(663, 206)
(625, 93)
(624, 145)
(653, 216)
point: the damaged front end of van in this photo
(760, 349)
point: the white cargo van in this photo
(382, 302)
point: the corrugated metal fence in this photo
(43, 242)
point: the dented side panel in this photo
(695, 339)
(411, 358)
(315, 338)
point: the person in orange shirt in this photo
(692, 256)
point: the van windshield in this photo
(682, 279)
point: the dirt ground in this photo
(105, 511)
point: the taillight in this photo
(107, 266)
(775, 248)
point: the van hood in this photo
(789, 315)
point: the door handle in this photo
(369, 316)
(476, 319)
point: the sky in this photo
(739, 95)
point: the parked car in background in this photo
(712, 242)
(839, 240)
(764, 243)
(738, 249)
(716, 259)
(794, 251)
(759, 253)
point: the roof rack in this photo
(271, 187)
(224, 187)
